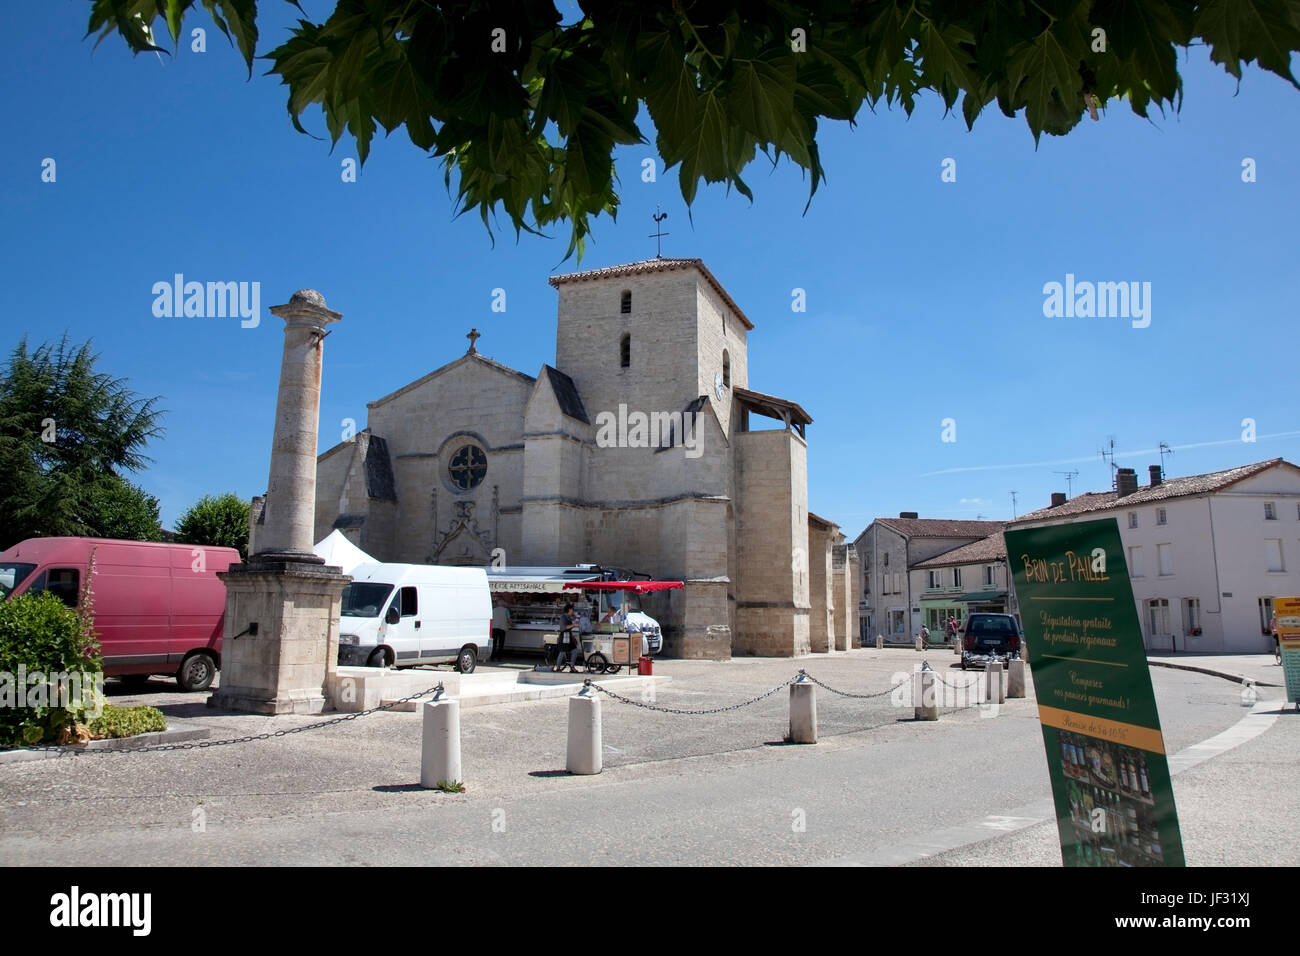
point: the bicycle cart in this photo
(609, 648)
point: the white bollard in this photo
(585, 752)
(1016, 678)
(440, 744)
(920, 646)
(880, 642)
(803, 712)
(994, 693)
(925, 703)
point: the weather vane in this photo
(658, 234)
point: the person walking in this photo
(570, 642)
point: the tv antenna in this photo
(1013, 505)
(1108, 456)
(1069, 481)
(1164, 450)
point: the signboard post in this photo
(1287, 610)
(1105, 751)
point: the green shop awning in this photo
(981, 597)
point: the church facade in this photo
(633, 450)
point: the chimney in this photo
(1126, 481)
(1156, 476)
(1058, 498)
(909, 514)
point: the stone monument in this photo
(280, 645)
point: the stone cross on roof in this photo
(474, 336)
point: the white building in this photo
(1207, 554)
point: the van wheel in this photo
(377, 658)
(467, 660)
(196, 672)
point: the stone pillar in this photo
(280, 644)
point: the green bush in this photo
(126, 721)
(39, 635)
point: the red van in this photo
(159, 608)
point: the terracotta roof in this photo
(940, 527)
(819, 520)
(654, 265)
(992, 548)
(1169, 488)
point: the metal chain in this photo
(202, 744)
(954, 686)
(670, 710)
(844, 693)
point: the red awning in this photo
(640, 587)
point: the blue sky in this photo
(924, 298)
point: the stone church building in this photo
(476, 456)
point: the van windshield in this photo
(12, 575)
(364, 599)
(629, 601)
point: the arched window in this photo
(625, 351)
(726, 369)
(626, 305)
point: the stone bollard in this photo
(925, 703)
(1016, 678)
(920, 644)
(586, 750)
(994, 693)
(440, 744)
(803, 712)
(880, 642)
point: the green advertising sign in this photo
(1105, 751)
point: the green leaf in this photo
(761, 96)
(1251, 30)
(237, 19)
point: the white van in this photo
(401, 615)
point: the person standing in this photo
(569, 643)
(500, 627)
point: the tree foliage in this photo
(526, 110)
(66, 433)
(219, 522)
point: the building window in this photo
(467, 467)
(625, 306)
(932, 579)
(956, 577)
(1273, 554)
(1165, 559)
(1266, 615)
(625, 351)
(1132, 519)
(1270, 511)
(1161, 516)
(886, 559)
(1135, 562)
(1192, 616)
(726, 369)
(988, 576)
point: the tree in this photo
(66, 431)
(217, 522)
(527, 111)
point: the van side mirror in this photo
(393, 616)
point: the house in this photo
(971, 578)
(888, 550)
(1206, 554)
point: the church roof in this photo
(467, 357)
(655, 265)
(566, 393)
(771, 406)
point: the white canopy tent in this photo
(338, 551)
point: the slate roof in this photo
(379, 471)
(566, 393)
(983, 551)
(654, 265)
(940, 527)
(1169, 488)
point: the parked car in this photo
(989, 637)
(159, 608)
(403, 615)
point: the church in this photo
(476, 457)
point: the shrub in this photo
(39, 635)
(126, 721)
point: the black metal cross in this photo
(658, 235)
